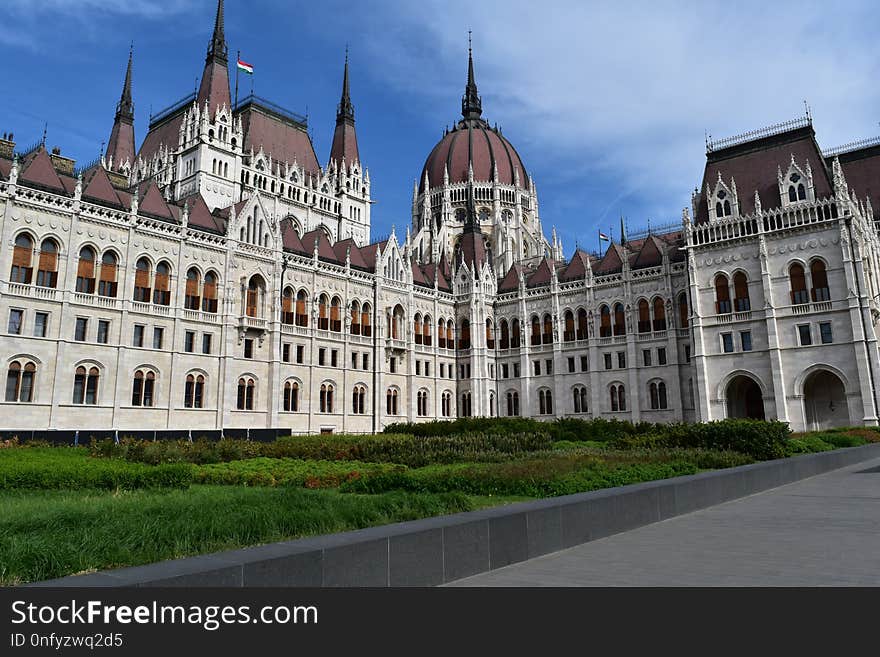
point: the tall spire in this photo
(120, 148)
(471, 104)
(214, 88)
(345, 146)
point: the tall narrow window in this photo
(209, 293)
(417, 328)
(464, 341)
(336, 315)
(85, 271)
(192, 300)
(302, 319)
(252, 296)
(366, 330)
(142, 289)
(683, 312)
(291, 396)
(490, 334)
(107, 284)
(582, 324)
(162, 286)
(659, 315)
(287, 314)
(604, 322)
(85, 386)
(355, 318)
(47, 274)
(619, 320)
(536, 331)
(323, 313)
(644, 316)
(505, 335)
(426, 331)
(568, 331)
(547, 335)
(722, 295)
(798, 284)
(741, 300)
(13, 382)
(514, 334)
(22, 259)
(819, 275)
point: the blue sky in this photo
(607, 103)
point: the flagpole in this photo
(237, 59)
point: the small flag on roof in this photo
(603, 237)
(247, 68)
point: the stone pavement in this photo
(822, 531)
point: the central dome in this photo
(473, 144)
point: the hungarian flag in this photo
(603, 237)
(245, 67)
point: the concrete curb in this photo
(437, 550)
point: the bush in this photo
(807, 444)
(73, 468)
(262, 471)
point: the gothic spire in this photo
(217, 48)
(471, 104)
(345, 111)
(120, 148)
(125, 107)
(214, 88)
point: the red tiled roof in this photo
(151, 201)
(354, 253)
(214, 86)
(650, 255)
(121, 145)
(97, 188)
(473, 141)
(325, 249)
(577, 266)
(5, 168)
(38, 170)
(473, 247)
(419, 277)
(368, 254)
(278, 138)
(542, 274)
(200, 215)
(290, 239)
(861, 169)
(345, 144)
(167, 132)
(754, 167)
(612, 260)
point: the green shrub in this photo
(263, 471)
(843, 439)
(807, 444)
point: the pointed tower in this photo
(214, 88)
(345, 146)
(471, 104)
(120, 148)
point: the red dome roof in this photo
(473, 141)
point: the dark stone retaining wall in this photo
(85, 436)
(437, 550)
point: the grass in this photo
(48, 534)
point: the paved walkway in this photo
(822, 531)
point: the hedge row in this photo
(73, 468)
(262, 471)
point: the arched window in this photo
(652, 393)
(85, 271)
(505, 335)
(249, 396)
(142, 288)
(441, 333)
(192, 300)
(619, 320)
(426, 331)
(657, 395)
(798, 284)
(47, 273)
(194, 391)
(142, 388)
(659, 315)
(107, 284)
(568, 334)
(545, 402)
(490, 334)
(20, 382)
(644, 316)
(162, 286)
(358, 397)
(465, 404)
(302, 318)
(366, 330)
(579, 399)
(464, 341)
(355, 318)
(336, 315)
(391, 401)
(683, 311)
(512, 403)
(291, 396)
(661, 391)
(422, 403)
(582, 324)
(722, 295)
(287, 315)
(536, 331)
(514, 334)
(446, 404)
(618, 397)
(85, 386)
(491, 404)
(417, 328)
(819, 277)
(450, 334)
(323, 312)
(255, 290)
(245, 400)
(741, 300)
(22, 257)
(604, 322)
(326, 398)
(548, 329)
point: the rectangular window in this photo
(571, 364)
(285, 352)
(354, 360)
(82, 327)
(418, 368)
(366, 361)
(584, 364)
(621, 359)
(804, 335)
(442, 370)
(103, 331)
(334, 357)
(322, 352)
(16, 318)
(646, 357)
(505, 370)
(661, 356)
(392, 365)
(516, 370)
(206, 343)
(745, 339)
(158, 333)
(825, 332)
(537, 365)
(727, 342)
(549, 366)
(300, 351)
(137, 339)
(189, 341)
(607, 361)
(687, 353)
(427, 368)
(41, 325)
(249, 348)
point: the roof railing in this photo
(30, 149)
(851, 146)
(272, 107)
(85, 167)
(778, 128)
(661, 229)
(171, 109)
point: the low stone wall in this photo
(433, 551)
(85, 436)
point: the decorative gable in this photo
(796, 184)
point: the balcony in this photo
(32, 291)
(200, 316)
(247, 322)
(95, 301)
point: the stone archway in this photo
(744, 399)
(825, 401)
